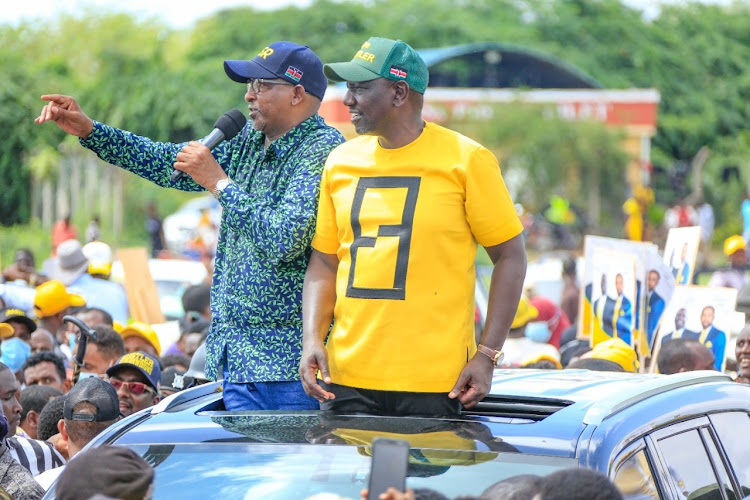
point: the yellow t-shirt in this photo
(405, 224)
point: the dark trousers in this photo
(389, 403)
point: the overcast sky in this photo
(182, 13)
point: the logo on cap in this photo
(293, 73)
(398, 72)
(138, 359)
(265, 52)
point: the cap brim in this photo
(22, 319)
(6, 331)
(68, 276)
(112, 370)
(242, 71)
(348, 72)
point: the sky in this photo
(183, 13)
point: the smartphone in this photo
(390, 459)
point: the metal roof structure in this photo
(502, 65)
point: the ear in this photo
(63, 430)
(401, 93)
(299, 94)
(32, 418)
(155, 400)
(67, 383)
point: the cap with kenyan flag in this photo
(297, 64)
(382, 57)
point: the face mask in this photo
(538, 331)
(83, 375)
(71, 339)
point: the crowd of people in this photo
(342, 272)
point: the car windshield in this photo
(274, 471)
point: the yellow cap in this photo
(733, 244)
(544, 356)
(525, 313)
(99, 255)
(144, 331)
(117, 326)
(618, 351)
(6, 331)
(52, 297)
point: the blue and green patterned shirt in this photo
(268, 221)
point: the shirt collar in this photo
(291, 139)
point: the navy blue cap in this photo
(141, 361)
(292, 62)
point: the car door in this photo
(689, 463)
(732, 428)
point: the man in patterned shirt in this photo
(267, 180)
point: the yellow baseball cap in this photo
(144, 331)
(617, 351)
(99, 255)
(52, 297)
(525, 313)
(734, 244)
(537, 357)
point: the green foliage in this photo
(169, 85)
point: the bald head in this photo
(42, 340)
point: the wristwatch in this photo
(220, 187)
(495, 356)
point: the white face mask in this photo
(83, 375)
(538, 331)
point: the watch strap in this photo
(495, 355)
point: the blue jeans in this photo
(267, 396)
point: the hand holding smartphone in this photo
(390, 460)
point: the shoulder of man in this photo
(34, 455)
(16, 480)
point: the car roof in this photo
(532, 411)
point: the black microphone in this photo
(225, 128)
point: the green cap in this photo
(381, 57)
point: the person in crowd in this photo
(46, 368)
(92, 317)
(571, 294)
(139, 336)
(23, 326)
(102, 352)
(197, 298)
(521, 487)
(197, 371)
(15, 480)
(51, 414)
(267, 180)
(427, 178)
(136, 378)
(111, 471)
(734, 276)
(618, 351)
(42, 340)
(179, 361)
(173, 380)
(93, 232)
(90, 407)
(155, 230)
(23, 268)
(573, 350)
(706, 220)
(742, 355)
(527, 337)
(62, 230)
(191, 334)
(556, 319)
(542, 362)
(684, 355)
(654, 305)
(33, 399)
(595, 364)
(577, 482)
(15, 352)
(34, 455)
(712, 337)
(52, 302)
(74, 270)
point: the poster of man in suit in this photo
(680, 252)
(591, 281)
(614, 314)
(701, 313)
(660, 284)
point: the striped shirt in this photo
(35, 455)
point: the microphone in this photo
(225, 128)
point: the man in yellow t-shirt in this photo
(402, 209)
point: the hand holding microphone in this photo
(225, 128)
